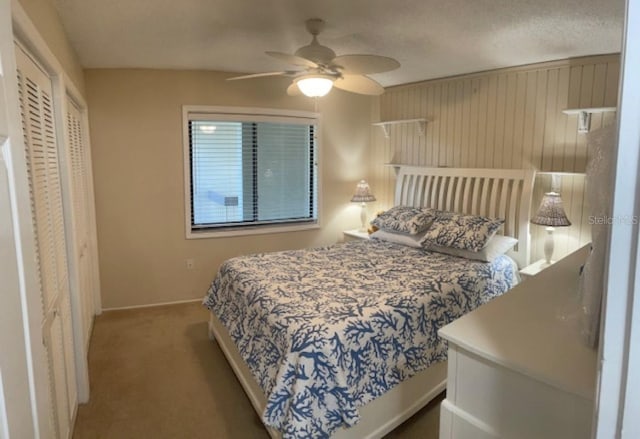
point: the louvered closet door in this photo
(36, 104)
(77, 154)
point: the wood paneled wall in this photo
(508, 118)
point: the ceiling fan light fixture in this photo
(319, 69)
(315, 85)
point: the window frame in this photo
(255, 114)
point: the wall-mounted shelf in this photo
(584, 116)
(560, 173)
(420, 123)
(396, 167)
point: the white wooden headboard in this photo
(495, 193)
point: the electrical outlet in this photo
(191, 264)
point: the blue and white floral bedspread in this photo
(324, 331)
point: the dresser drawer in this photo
(504, 403)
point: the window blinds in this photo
(248, 173)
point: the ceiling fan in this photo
(322, 69)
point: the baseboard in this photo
(152, 305)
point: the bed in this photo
(337, 336)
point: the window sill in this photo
(259, 230)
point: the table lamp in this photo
(363, 195)
(550, 214)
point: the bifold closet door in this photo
(42, 151)
(76, 143)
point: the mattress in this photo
(326, 330)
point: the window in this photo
(249, 171)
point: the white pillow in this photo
(497, 245)
(398, 238)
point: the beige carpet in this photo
(155, 374)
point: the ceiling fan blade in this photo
(365, 64)
(292, 59)
(293, 90)
(258, 75)
(359, 84)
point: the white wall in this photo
(136, 138)
(507, 118)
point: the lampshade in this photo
(551, 213)
(363, 193)
(315, 85)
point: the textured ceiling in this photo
(430, 38)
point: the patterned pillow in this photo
(466, 232)
(405, 219)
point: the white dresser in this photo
(517, 365)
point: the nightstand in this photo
(355, 234)
(535, 268)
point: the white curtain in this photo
(601, 145)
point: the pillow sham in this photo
(497, 246)
(465, 232)
(405, 219)
(398, 238)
